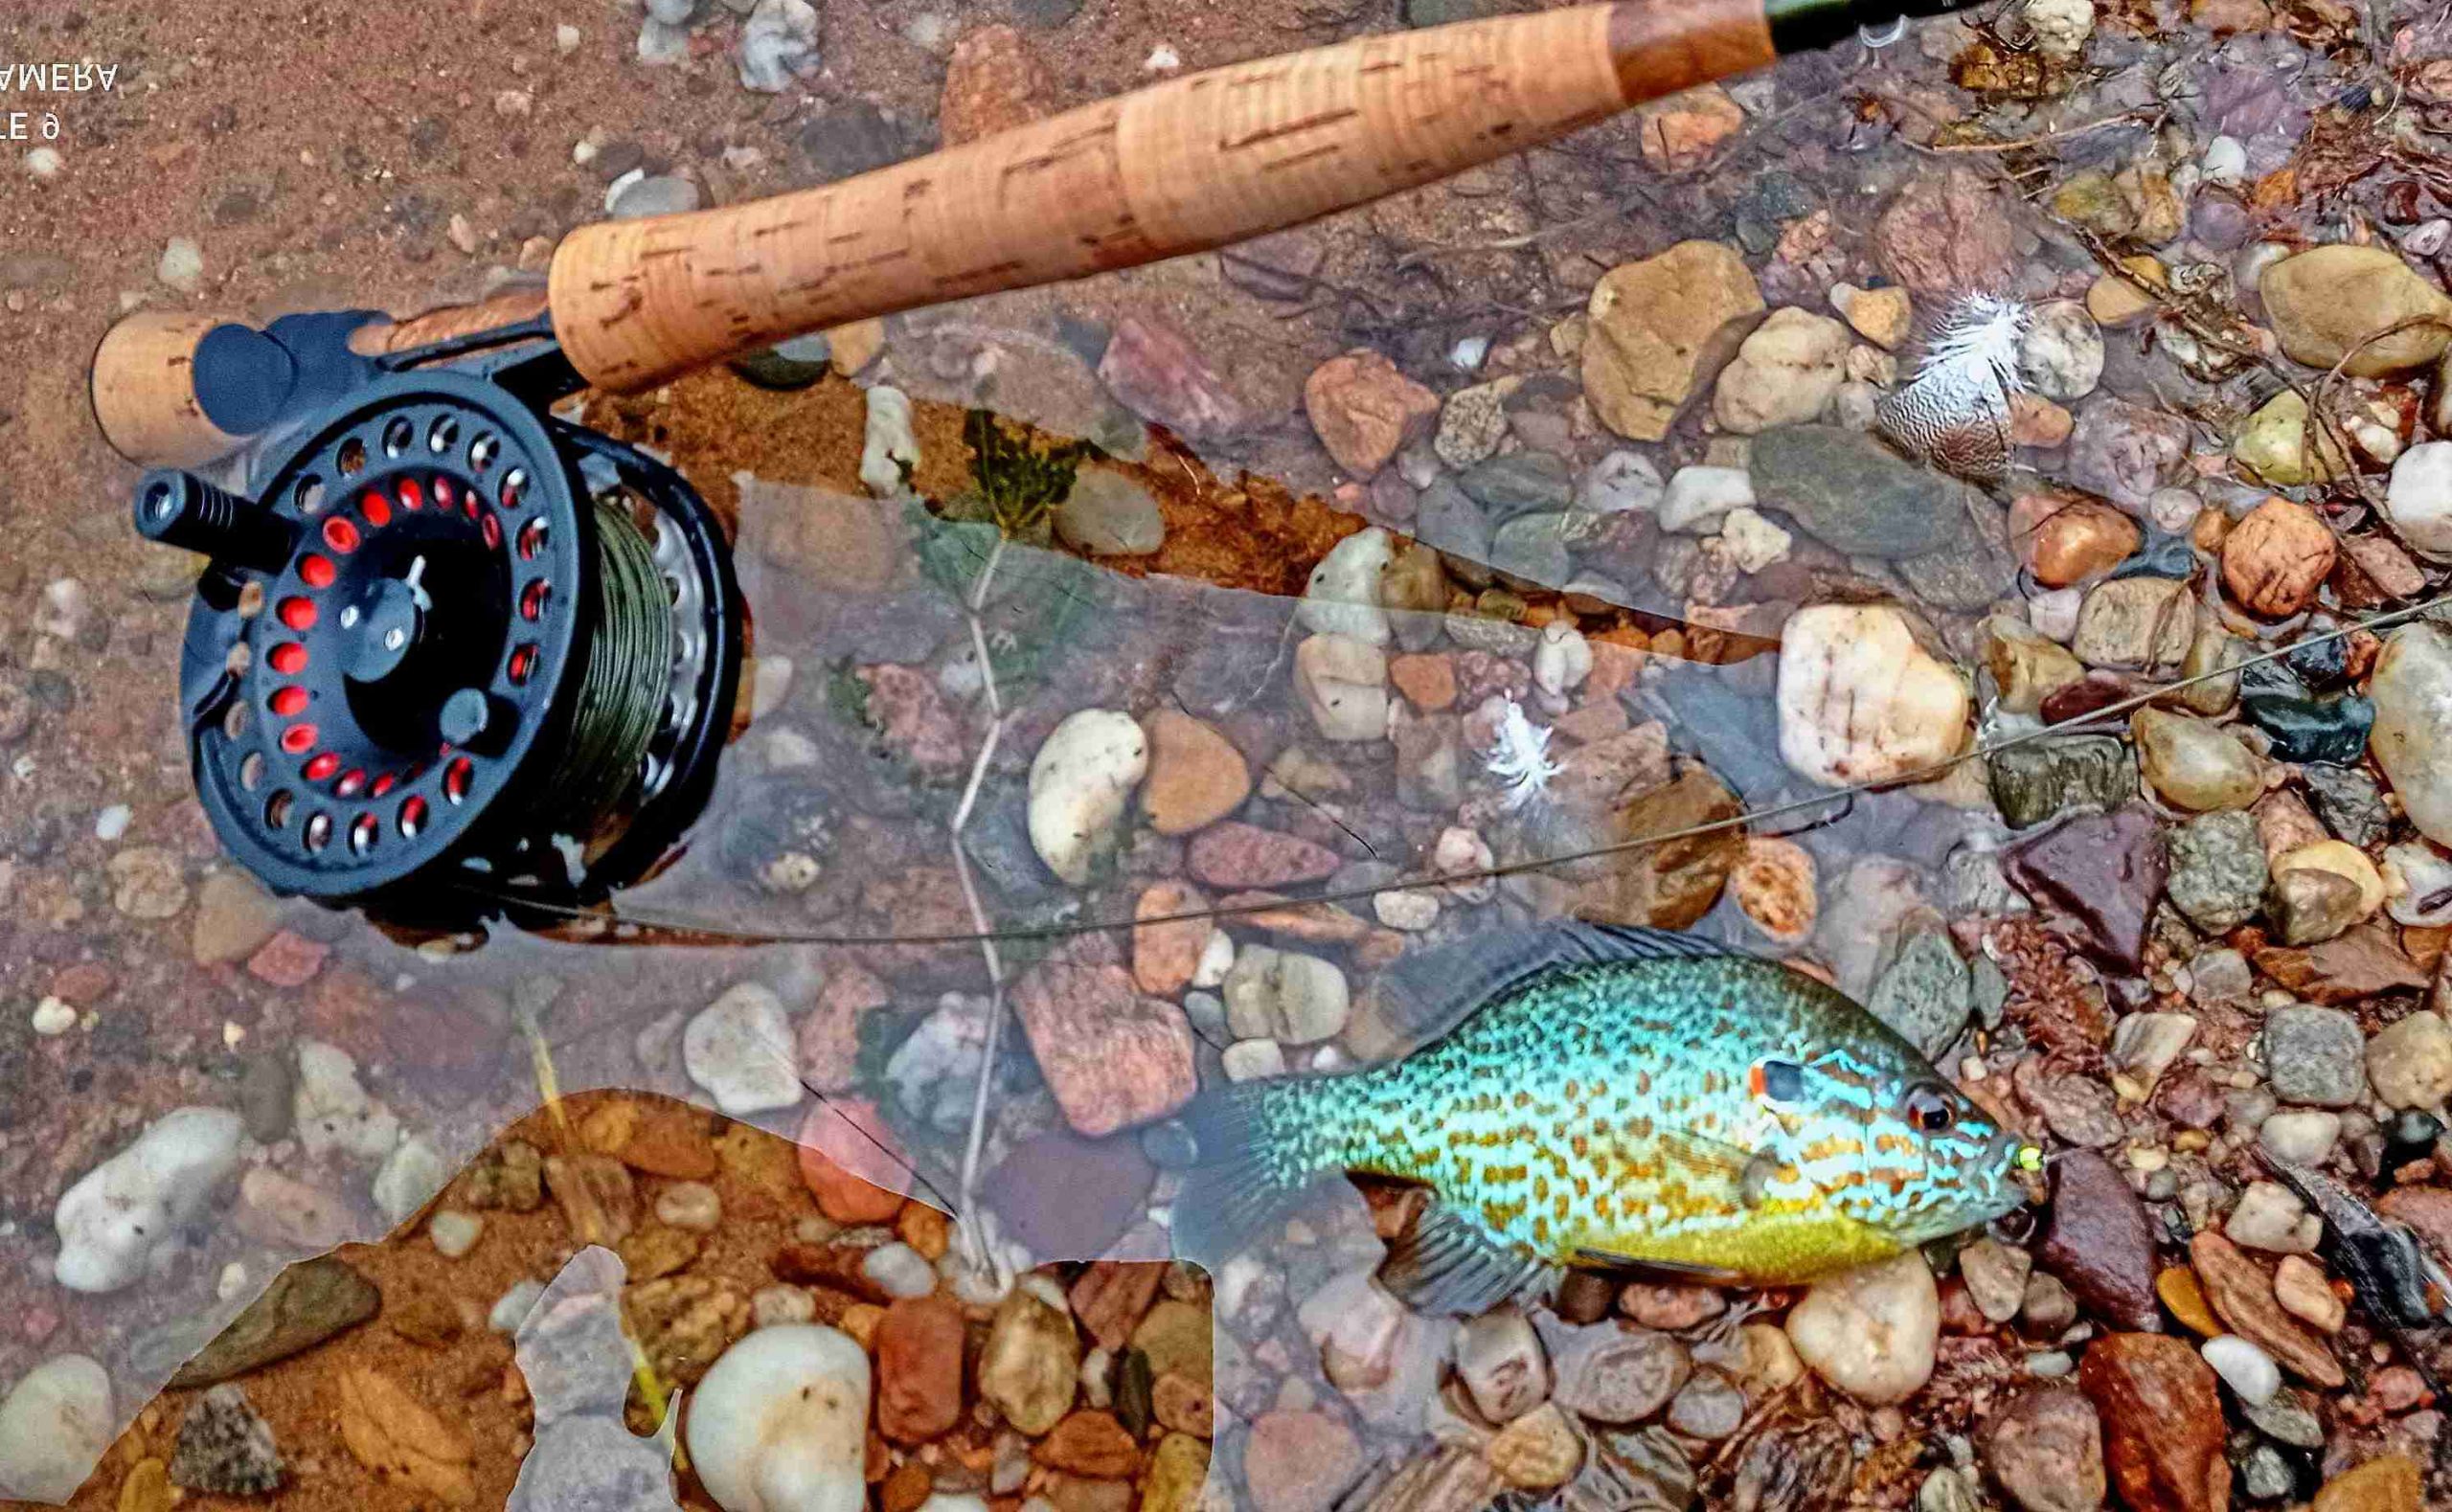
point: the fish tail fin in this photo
(1239, 1178)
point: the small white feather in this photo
(1521, 758)
(1973, 357)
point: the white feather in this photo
(1973, 358)
(1521, 758)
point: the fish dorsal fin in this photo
(1445, 1264)
(1423, 996)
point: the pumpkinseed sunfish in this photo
(1630, 1098)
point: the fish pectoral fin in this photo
(1445, 1263)
(1681, 1272)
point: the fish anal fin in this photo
(1447, 1264)
(1683, 1273)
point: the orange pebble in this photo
(843, 1145)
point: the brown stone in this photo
(1364, 409)
(2241, 1291)
(1660, 329)
(2098, 1239)
(1299, 1461)
(1426, 679)
(1669, 885)
(918, 1350)
(2036, 421)
(1165, 955)
(654, 1135)
(1112, 1057)
(2163, 1428)
(2277, 558)
(994, 84)
(1945, 234)
(1089, 1443)
(1111, 1295)
(847, 1157)
(395, 1435)
(829, 1033)
(2180, 1292)
(1681, 130)
(1237, 855)
(2067, 541)
(1196, 777)
(2387, 1484)
(2045, 1450)
(1183, 1404)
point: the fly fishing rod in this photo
(446, 637)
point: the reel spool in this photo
(457, 650)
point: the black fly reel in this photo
(456, 653)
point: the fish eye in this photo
(1776, 1081)
(1928, 1108)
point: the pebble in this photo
(2412, 689)
(1342, 596)
(2163, 1428)
(1870, 1332)
(182, 265)
(225, 1448)
(780, 1422)
(1561, 658)
(1884, 316)
(2418, 500)
(1364, 410)
(1786, 372)
(1697, 497)
(2193, 765)
(635, 197)
(2386, 1483)
(1776, 888)
(1537, 1452)
(111, 1219)
(1503, 1368)
(2243, 1368)
(1611, 1374)
(454, 1233)
(2061, 355)
(53, 1018)
(2098, 1240)
(739, 1049)
(1657, 330)
(56, 1424)
(303, 1305)
(409, 1177)
(2218, 871)
(1284, 996)
(1081, 783)
(512, 1307)
(889, 449)
(2120, 450)
(1623, 482)
(1299, 1461)
(2325, 302)
(1155, 370)
(1107, 514)
(2315, 1056)
(2304, 1293)
(1860, 701)
(2044, 1448)
(2409, 1061)
(2274, 560)
(778, 46)
(2270, 1217)
(1855, 495)
(2303, 1138)
(1030, 1362)
(1343, 684)
(146, 883)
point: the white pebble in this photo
(1252, 1060)
(689, 1204)
(2055, 615)
(1561, 660)
(232, 1282)
(1698, 496)
(182, 265)
(44, 163)
(513, 1308)
(1342, 596)
(1412, 909)
(110, 1221)
(566, 40)
(54, 1018)
(1216, 959)
(740, 1048)
(899, 1271)
(1162, 60)
(2245, 1368)
(454, 1233)
(55, 1426)
(2225, 160)
(771, 1305)
(1080, 781)
(1752, 541)
(780, 1423)
(112, 822)
(889, 450)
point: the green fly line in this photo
(628, 680)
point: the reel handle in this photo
(1185, 165)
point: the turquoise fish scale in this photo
(1609, 1108)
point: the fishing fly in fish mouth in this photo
(1616, 1098)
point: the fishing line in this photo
(626, 682)
(709, 933)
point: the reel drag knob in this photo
(181, 509)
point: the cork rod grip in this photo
(1185, 165)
